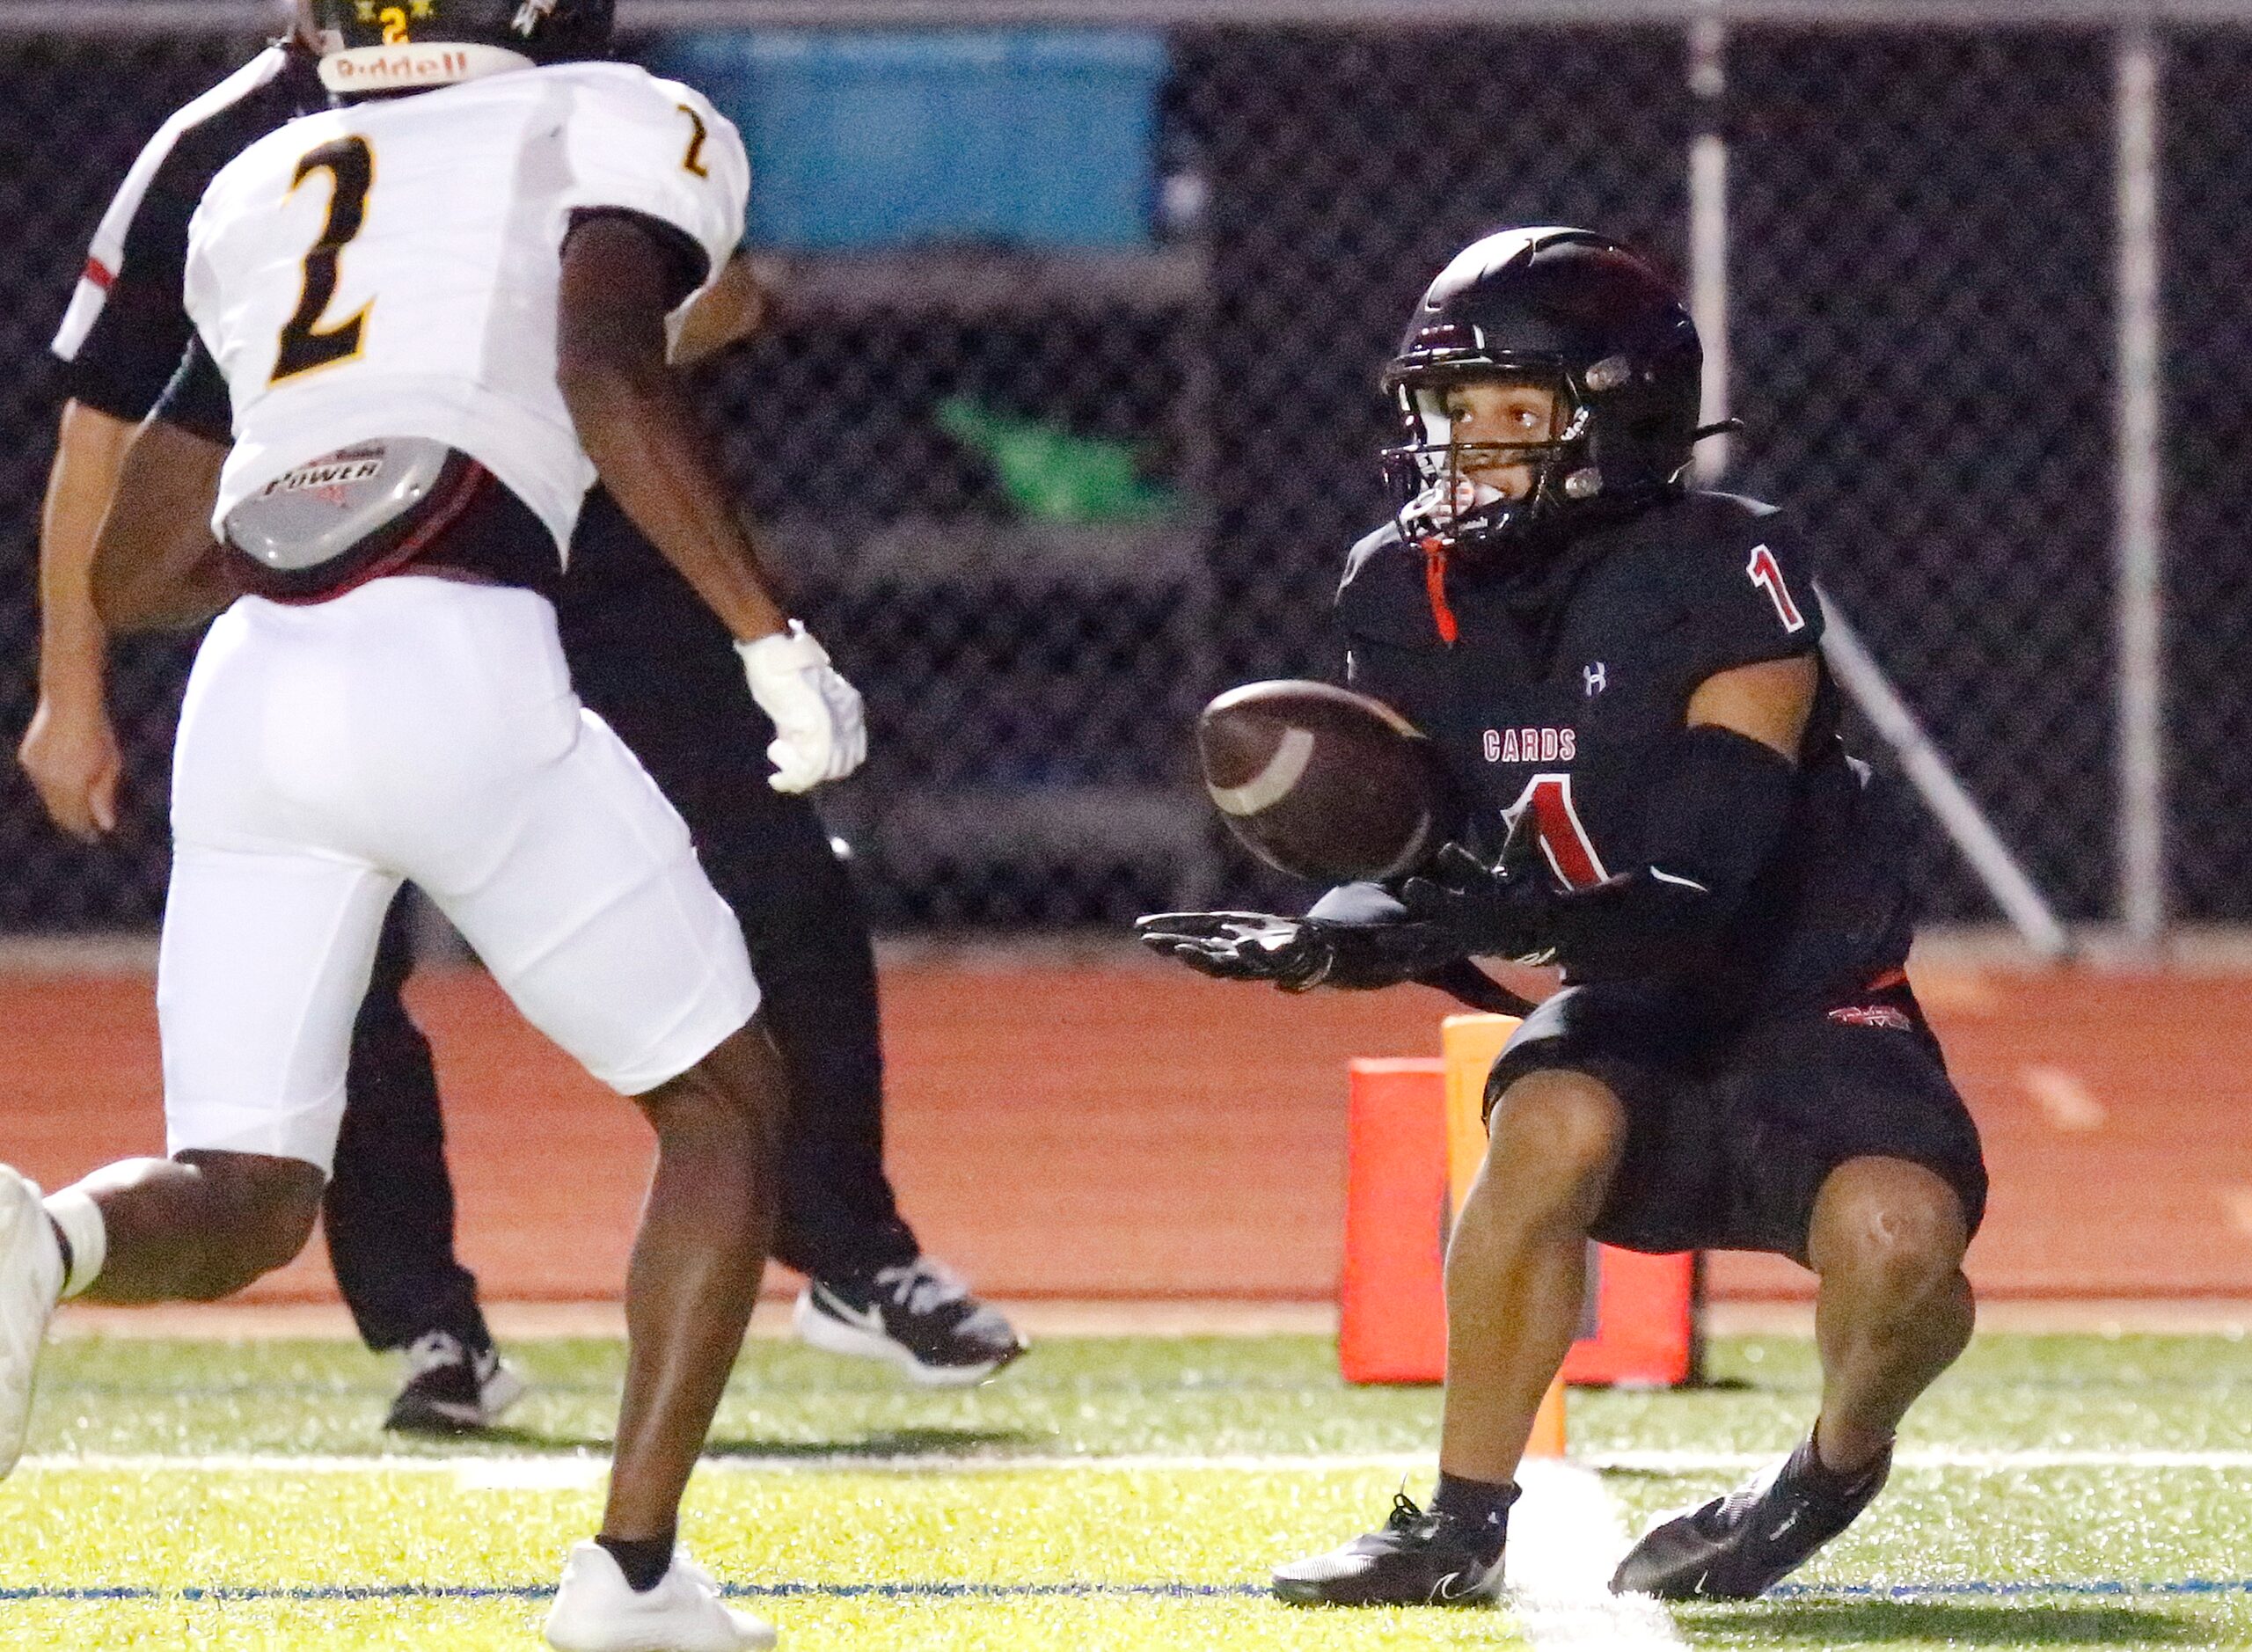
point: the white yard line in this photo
(537, 1321)
(1039, 1319)
(542, 1471)
(1659, 1462)
(1565, 1541)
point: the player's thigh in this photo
(1818, 1088)
(265, 958)
(1668, 1189)
(599, 923)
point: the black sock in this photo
(1482, 1506)
(63, 1239)
(644, 1561)
(1832, 1485)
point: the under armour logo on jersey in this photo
(1593, 676)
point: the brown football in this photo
(1323, 783)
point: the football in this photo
(1323, 783)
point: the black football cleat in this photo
(1740, 1545)
(1421, 1558)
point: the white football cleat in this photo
(596, 1610)
(31, 1283)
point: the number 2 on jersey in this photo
(699, 134)
(1767, 575)
(305, 344)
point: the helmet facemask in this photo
(1442, 502)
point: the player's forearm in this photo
(1715, 821)
(155, 563)
(89, 446)
(647, 447)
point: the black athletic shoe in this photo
(918, 1316)
(1421, 1558)
(451, 1388)
(1740, 1545)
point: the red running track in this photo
(1123, 1131)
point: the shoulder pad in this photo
(1725, 516)
(1381, 596)
(1365, 552)
(1745, 581)
(627, 90)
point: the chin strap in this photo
(1435, 588)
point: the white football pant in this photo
(417, 729)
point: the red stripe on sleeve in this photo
(100, 273)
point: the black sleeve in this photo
(118, 359)
(136, 343)
(1752, 597)
(196, 398)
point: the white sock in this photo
(80, 1218)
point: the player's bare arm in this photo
(1769, 702)
(155, 563)
(619, 282)
(621, 279)
(70, 749)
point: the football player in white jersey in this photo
(426, 320)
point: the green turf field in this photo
(2056, 1492)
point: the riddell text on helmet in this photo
(392, 67)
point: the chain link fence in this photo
(1921, 249)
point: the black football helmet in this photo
(536, 30)
(1580, 315)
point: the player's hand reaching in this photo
(1297, 953)
(1502, 910)
(1239, 946)
(818, 731)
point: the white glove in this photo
(818, 732)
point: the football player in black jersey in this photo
(1624, 674)
(389, 1208)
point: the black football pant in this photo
(650, 659)
(653, 662)
(389, 1209)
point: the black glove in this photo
(1298, 954)
(1504, 910)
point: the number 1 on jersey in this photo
(1570, 851)
(1767, 575)
(305, 344)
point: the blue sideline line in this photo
(2194, 1587)
(2099, 1590)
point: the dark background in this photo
(1922, 253)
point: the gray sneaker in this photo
(919, 1316)
(451, 1388)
